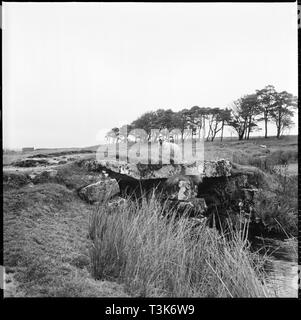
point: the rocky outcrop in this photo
(37, 162)
(99, 191)
(30, 162)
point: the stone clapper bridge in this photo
(201, 188)
(198, 187)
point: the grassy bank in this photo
(46, 250)
(157, 255)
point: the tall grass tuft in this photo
(144, 246)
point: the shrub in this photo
(279, 213)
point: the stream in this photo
(281, 267)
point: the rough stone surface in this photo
(180, 187)
(99, 191)
(219, 168)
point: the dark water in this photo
(281, 266)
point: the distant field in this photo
(252, 147)
(232, 149)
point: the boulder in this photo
(218, 168)
(99, 191)
(180, 187)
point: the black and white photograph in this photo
(150, 150)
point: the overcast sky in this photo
(72, 71)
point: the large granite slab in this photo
(204, 169)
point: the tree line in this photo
(244, 116)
